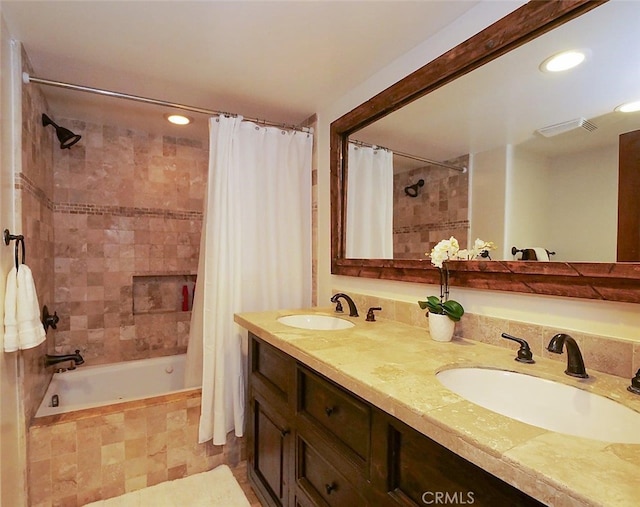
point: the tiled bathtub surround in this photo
(80, 457)
(126, 204)
(601, 353)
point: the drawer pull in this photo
(330, 488)
(329, 411)
(284, 433)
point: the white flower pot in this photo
(441, 327)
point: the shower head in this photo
(412, 190)
(65, 136)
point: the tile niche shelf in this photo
(162, 293)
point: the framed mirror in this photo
(450, 114)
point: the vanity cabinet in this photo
(415, 470)
(270, 429)
(310, 442)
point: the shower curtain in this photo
(255, 254)
(369, 233)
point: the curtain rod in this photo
(26, 78)
(412, 157)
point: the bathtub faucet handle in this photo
(48, 320)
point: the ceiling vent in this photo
(566, 126)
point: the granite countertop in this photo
(393, 366)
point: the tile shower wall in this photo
(440, 210)
(126, 204)
(34, 214)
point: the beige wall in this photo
(33, 194)
(619, 320)
(488, 199)
(12, 433)
(590, 209)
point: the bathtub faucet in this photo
(51, 360)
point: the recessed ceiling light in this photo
(178, 119)
(629, 107)
(564, 61)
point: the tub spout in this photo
(50, 360)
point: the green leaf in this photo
(453, 309)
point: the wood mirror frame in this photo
(613, 281)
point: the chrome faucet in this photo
(575, 363)
(353, 311)
(50, 360)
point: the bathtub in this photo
(106, 384)
(118, 428)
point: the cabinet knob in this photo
(284, 432)
(330, 488)
(329, 411)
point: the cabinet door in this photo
(269, 453)
(414, 470)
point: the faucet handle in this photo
(371, 317)
(524, 352)
(339, 308)
(635, 384)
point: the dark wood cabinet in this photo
(271, 409)
(313, 443)
(415, 471)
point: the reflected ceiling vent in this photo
(566, 126)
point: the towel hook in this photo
(19, 239)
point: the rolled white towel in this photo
(11, 313)
(30, 330)
(541, 254)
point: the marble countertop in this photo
(393, 366)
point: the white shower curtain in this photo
(255, 254)
(369, 232)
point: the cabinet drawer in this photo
(272, 368)
(321, 481)
(334, 409)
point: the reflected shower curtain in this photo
(255, 254)
(369, 232)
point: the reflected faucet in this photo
(353, 311)
(50, 360)
(575, 363)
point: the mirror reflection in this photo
(541, 148)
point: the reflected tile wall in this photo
(126, 203)
(439, 211)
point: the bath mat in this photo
(215, 488)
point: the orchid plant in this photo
(445, 250)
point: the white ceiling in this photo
(276, 60)
(506, 101)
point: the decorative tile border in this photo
(22, 182)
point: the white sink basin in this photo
(320, 322)
(545, 404)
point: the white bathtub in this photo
(105, 384)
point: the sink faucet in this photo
(353, 311)
(51, 360)
(575, 363)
